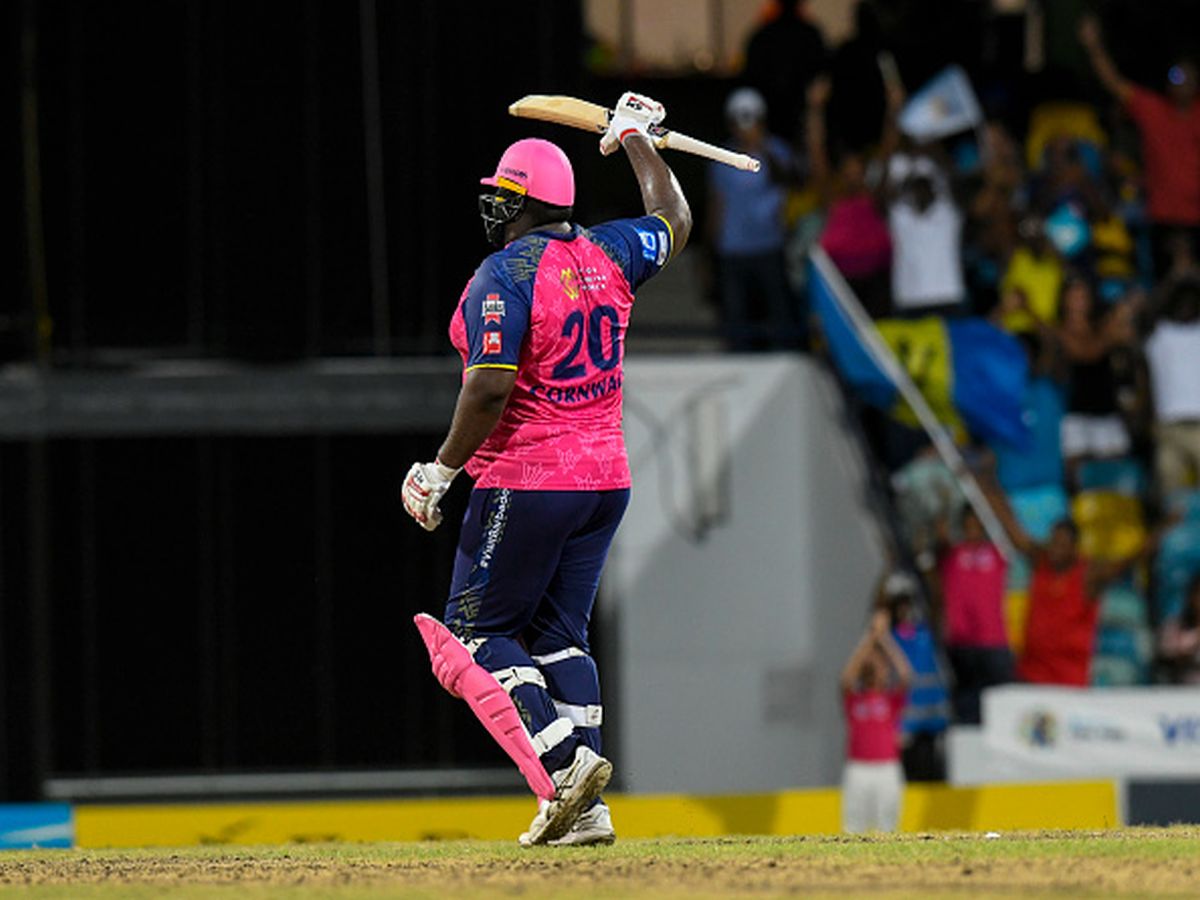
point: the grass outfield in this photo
(1122, 863)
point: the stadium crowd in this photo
(1077, 237)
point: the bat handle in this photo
(673, 140)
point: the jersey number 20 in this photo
(603, 359)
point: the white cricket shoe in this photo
(594, 826)
(578, 785)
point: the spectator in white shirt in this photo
(1173, 358)
(926, 228)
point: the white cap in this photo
(745, 106)
(899, 584)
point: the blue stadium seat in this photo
(1186, 504)
(1019, 573)
(1120, 476)
(1178, 562)
(1115, 671)
(1123, 607)
(1122, 656)
(1038, 508)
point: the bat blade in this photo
(564, 110)
(576, 113)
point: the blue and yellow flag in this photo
(972, 374)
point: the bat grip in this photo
(673, 140)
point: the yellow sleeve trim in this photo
(670, 234)
(492, 366)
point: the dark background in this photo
(220, 603)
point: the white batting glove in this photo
(634, 114)
(424, 487)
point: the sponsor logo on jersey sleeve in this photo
(493, 309)
(662, 249)
(650, 244)
(493, 342)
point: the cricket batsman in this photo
(540, 327)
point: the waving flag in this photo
(970, 373)
(946, 105)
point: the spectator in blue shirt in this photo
(927, 713)
(746, 229)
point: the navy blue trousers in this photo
(525, 579)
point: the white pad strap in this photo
(589, 716)
(552, 735)
(558, 656)
(515, 676)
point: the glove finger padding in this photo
(634, 114)
(639, 106)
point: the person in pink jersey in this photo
(973, 576)
(875, 683)
(540, 328)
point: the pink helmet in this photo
(537, 169)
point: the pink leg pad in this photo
(459, 674)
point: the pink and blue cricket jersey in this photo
(554, 308)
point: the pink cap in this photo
(538, 169)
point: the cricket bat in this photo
(576, 113)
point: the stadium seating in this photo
(1016, 610)
(1111, 525)
(1056, 119)
(1038, 508)
(1119, 476)
(1124, 643)
(1177, 563)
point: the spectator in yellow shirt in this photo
(1035, 272)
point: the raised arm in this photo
(1101, 573)
(854, 665)
(1021, 539)
(814, 133)
(1106, 70)
(661, 193)
(899, 662)
(632, 118)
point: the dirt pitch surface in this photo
(1124, 863)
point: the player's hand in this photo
(424, 487)
(634, 114)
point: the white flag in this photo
(944, 106)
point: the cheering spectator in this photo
(1170, 131)
(1090, 343)
(1031, 285)
(873, 698)
(1173, 358)
(746, 225)
(995, 208)
(925, 225)
(1064, 600)
(927, 712)
(1179, 640)
(855, 236)
(782, 57)
(972, 574)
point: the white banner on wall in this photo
(1045, 732)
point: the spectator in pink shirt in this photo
(875, 684)
(972, 573)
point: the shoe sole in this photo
(595, 840)
(572, 806)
